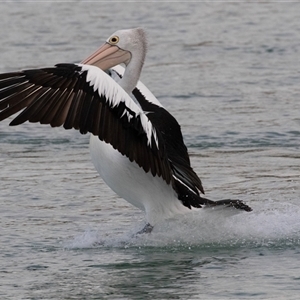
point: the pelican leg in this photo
(147, 229)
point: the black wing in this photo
(176, 150)
(186, 182)
(85, 98)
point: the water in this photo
(229, 73)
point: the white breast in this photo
(150, 194)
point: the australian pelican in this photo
(136, 144)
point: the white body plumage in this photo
(143, 190)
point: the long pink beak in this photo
(108, 56)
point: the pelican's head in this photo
(120, 47)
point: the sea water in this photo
(229, 73)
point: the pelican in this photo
(136, 145)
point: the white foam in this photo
(269, 224)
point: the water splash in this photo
(271, 224)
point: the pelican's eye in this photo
(114, 40)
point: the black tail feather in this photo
(191, 199)
(238, 204)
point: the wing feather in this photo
(87, 99)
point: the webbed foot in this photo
(147, 229)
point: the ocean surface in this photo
(229, 73)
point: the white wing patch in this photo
(113, 92)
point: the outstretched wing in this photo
(87, 99)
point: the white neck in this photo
(132, 72)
